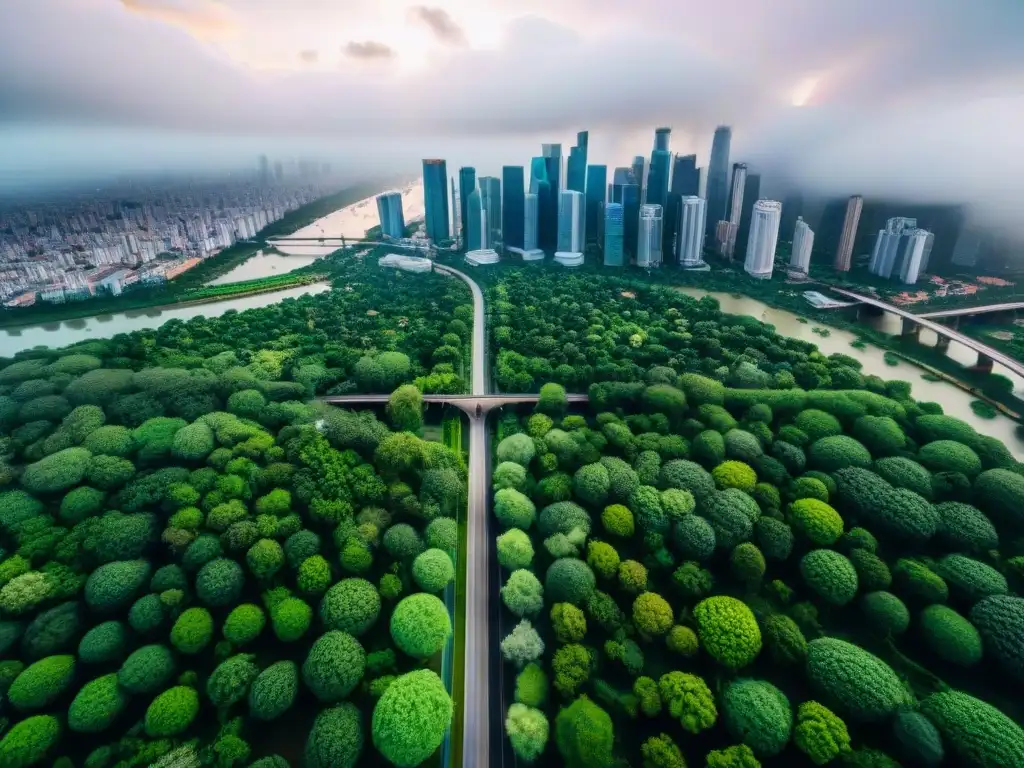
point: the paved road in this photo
(467, 403)
(1015, 366)
(1005, 307)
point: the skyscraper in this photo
(727, 246)
(661, 139)
(435, 199)
(570, 207)
(530, 214)
(513, 205)
(490, 193)
(661, 164)
(576, 171)
(914, 255)
(613, 235)
(888, 245)
(844, 254)
(456, 212)
(467, 183)
(638, 173)
(630, 216)
(690, 239)
(751, 193)
(803, 242)
(685, 182)
(620, 178)
(389, 208)
(476, 222)
(718, 177)
(764, 237)
(648, 248)
(597, 176)
(548, 201)
(540, 186)
(968, 245)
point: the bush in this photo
(687, 476)
(515, 550)
(527, 731)
(192, 631)
(203, 550)
(786, 643)
(97, 705)
(314, 575)
(774, 538)
(632, 576)
(532, 686)
(709, 448)
(965, 527)
(855, 681)
(677, 503)
(919, 740)
(52, 631)
(147, 670)
(969, 579)
(747, 564)
(264, 559)
(918, 583)
(904, 473)
(334, 666)
(193, 442)
(103, 643)
(728, 631)
(885, 613)
(80, 503)
(411, 718)
(950, 456)
(950, 636)
(351, 605)
(523, 593)
(172, 712)
(591, 484)
(56, 472)
(742, 446)
(420, 625)
(816, 521)
(299, 546)
(736, 756)
(977, 732)
(693, 582)
(516, 448)
(509, 475)
(732, 515)
(688, 700)
(146, 614)
(682, 640)
(1000, 493)
(838, 452)
(442, 533)
(336, 738)
(40, 684)
(872, 572)
(734, 474)
(694, 537)
(758, 714)
(514, 509)
(652, 614)
(1000, 621)
(817, 424)
(830, 575)
(290, 619)
(29, 741)
(569, 580)
(820, 733)
(115, 585)
(523, 644)
(563, 517)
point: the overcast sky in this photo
(921, 98)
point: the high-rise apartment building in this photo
(764, 238)
(467, 183)
(727, 247)
(718, 177)
(570, 213)
(649, 236)
(690, 237)
(803, 243)
(490, 194)
(613, 235)
(844, 254)
(477, 233)
(751, 193)
(597, 176)
(914, 255)
(435, 200)
(392, 220)
(530, 221)
(888, 245)
(513, 215)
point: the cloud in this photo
(309, 56)
(440, 24)
(368, 49)
(204, 19)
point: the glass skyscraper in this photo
(389, 208)
(613, 235)
(685, 182)
(751, 193)
(490, 191)
(530, 223)
(576, 171)
(570, 214)
(630, 216)
(547, 233)
(476, 222)
(690, 240)
(597, 178)
(540, 185)
(467, 183)
(435, 200)
(718, 178)
(513, 205)
(648, 248)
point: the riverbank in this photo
(248, 288)
(168, 294)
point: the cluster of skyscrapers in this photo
(648, 213)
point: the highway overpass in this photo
(1009, 306)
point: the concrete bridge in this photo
(1009, 306)
(341, 241)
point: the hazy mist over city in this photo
(920, 99)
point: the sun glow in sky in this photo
(803, 93)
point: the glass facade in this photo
(597, 178)
(435, 200)
(648, 249)
(392, 220)
(490, 191)
(630, 215)
(467, 183)
(476, 222)
(613, 235)
(718, 178)
(513, 214)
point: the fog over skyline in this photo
(921, 99)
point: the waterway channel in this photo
(264, 265)
(953, 400)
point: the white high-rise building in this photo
(917, 247)
(764, 237)
(888, 245)
(570, 234)
(648, 247)
(530, 211)
(803, 242)
(690, 238)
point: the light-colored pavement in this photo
(1005, 307)
(466, 403)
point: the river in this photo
(104, 326)
(954, 400)
(264, 265)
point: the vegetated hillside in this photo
(700, 574)
(200, 566)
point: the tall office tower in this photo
(751, 193)
(661, 166)
(803, 242)
(648, 246)
(913, 258)
(435, 199)
(690, 240)
(844, 254)
(548, 202)
(727, 247)
(613, 235)
(540, 185)
(685, 182)
(764, 237)
(389, 208)
(968, 245)
(570, 236)
(530, 212)
(552, 154)
(631, 218)
(456, 213)
(467, 183)
(661, 139)
(888, 244)
(718, 177)
(638, 173)
(597, 176)
(512, 209)
(490, 193)
(576, 170)
(620, 178)
(476, 222)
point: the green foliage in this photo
(29, 741)
(819, 523)
(336, 738)
(584, 735)
(219, 583)
(569, 580)
(563, 517)
(905, 473)
(334, 666)
(433, 570)
(97, 705)
(1000, 494)
(918, 738)
(820, 733)
(736, 756)
(872, 572)
(402, 541)
(442, 533)
(734, 474)
(290, 619)
(661, 752)
(147, 669)
(522, 593)
(728, 631)
(965, 527)
(885, 613)
(146, 614)
(420, 625)
(817, 424)
(978, 733)
(829, 575)
(950, 636)
(172, 712)
(688, 699)
(516, 448)
(747, 564)
(106, 642)
(694, 537)
(854, 681)
(758, 714)
(838, 452)
(514, 509)
(652, 614)
(515, 549)
(918, 583)
(774, 538)
(732, 515)
(192, 631)
(41, 683)
(785, 641)
(950, 456)
(1000, 620)
(115, 585)
(411, 718)
(632, 576)
(56, 472)
(527, 731)
(969, 579)
(523, 644)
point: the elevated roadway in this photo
(1008, 306)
